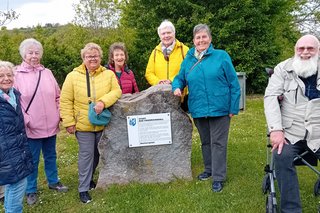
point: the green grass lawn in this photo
(242, 192)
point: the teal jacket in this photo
(213, 84)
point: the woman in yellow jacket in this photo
(104, 92)
(165, 59)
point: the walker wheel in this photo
(316, 188)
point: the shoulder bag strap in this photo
(154, 55)
(193, 66)
(196, 64)
(35, 91)
(88, 85)
(182, 51)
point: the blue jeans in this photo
(48, 147)
(14, 196)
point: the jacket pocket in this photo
(219, 100)
(287, 123)
(291, 91)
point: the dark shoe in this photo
(217, 186)
(92, 185)
(85, 197)
(204, 176)
(32, 198)
(2, 200)
(59, 187)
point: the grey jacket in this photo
(298, 117)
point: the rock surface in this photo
(121, 164)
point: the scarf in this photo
(167, 50)
(10, 97)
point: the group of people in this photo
(32, 107)
(29, 124)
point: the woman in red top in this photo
(117, 62)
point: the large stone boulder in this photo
(121, 164)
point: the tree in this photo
(255, 33)
(97, 13)
(307, 16)
(61, 44)
(7, 16)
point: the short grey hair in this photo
(91, 46)
(202, 27)
(166, 23)
(27, 43)
(7, 65)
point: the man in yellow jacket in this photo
(165, 59)
(74, 105)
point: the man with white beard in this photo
(294, 125)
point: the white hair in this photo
(7, 65)
(25, 44)
(166, 24)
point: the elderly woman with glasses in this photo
(104, 92)
(40, 96)
(214, 94)
(15, 156)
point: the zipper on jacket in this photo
(168, 68)
(93, 90)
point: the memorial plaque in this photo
(149, 129)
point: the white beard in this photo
(305, 68)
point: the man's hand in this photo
(277, 140)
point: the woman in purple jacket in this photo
(117, 62)
(40, 96)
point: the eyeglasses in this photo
(92, 57)
(309, 49)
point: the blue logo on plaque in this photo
(132, 121)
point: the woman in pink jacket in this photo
(40, 95)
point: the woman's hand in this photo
(177, 92)
(166, 81)
(99, 107)
(71, 129)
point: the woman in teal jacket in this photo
(214, 94)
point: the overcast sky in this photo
(34, 12)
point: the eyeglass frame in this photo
(92, 57)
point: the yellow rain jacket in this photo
(74, 99)
(159, 68)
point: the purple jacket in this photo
(126, 81)
(42, 119)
